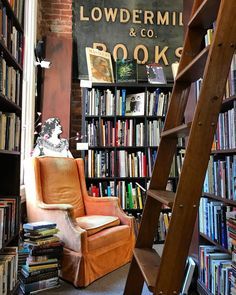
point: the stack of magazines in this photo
(40, 271)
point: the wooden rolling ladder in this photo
(165, 275)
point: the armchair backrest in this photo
(58, 182)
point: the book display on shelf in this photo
(11, 70)
(217, 218)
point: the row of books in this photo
(230, 89)
(131, 195)
(163, 225)
(105, 103)
(102, 163)
(220, 177)
(215, 270)
(8, 218)
(40, 271)
(103, 189)
(8, 269)
(231, 227)
(231, 81)
(157, 103)
(131, 164)
(18, 8)
(10, 81)
(212, 221)
(9, 131)
(11, 36)
(123, 132)
(225, 137)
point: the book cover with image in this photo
(126, 70)
(135, 104)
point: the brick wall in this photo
(55, 18)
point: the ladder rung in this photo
(149, 262)
(165, 197)
(205, 15)
(177, 132)
(194, 70)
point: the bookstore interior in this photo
(118, 143)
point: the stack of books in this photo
(40, 272)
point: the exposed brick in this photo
(66, 12)
(62, 6)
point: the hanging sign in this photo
(147, 31)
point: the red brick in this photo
(66, 12)
(62, 6)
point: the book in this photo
(135, 104)
(155, 74)
(41, 241)
(126, 70)
(39, 225)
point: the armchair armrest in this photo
(107, 206)
(71, 234)
(66, 207)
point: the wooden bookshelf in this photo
(220, 175)
(100, 120)
(11, 72)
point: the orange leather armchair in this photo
(98, 235)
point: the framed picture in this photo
(99, 66)
(126, 70)
(155, 74)
(135, 104)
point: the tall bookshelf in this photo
(11, 69)
(123, 146)
(217, 242)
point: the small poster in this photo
(135, 104)
(99, 66)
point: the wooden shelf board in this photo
(165, 197)
(205, 237)
(148, 261)
(180, 131)
(194, 70)
(10, 152)
(7, 105)
(9, 57)
(219, 198)
(224, 152)
(205, 15)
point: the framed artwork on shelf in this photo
(155, 74)
(135, 104)
(126, 70)
(99, 66)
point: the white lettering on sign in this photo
(136, 16)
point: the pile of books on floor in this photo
(40, 271)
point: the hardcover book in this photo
(155, 74)
(39, 225)
(135, 104)
(126, 70)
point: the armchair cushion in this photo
(95, 223)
